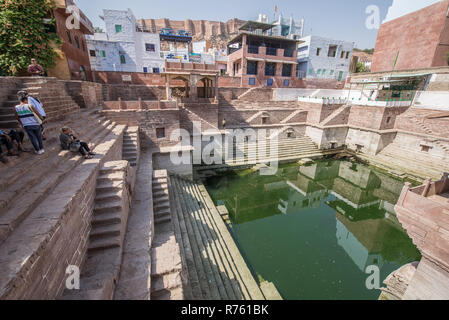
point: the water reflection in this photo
(336, 217)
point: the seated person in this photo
(17, 137)
(70, 142)
(7, 141)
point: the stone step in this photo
(102, 231)
(105, 207)
(160, 197)
(160, 193)
(225, 273)
(162, 286)
(104, 243)
(161, 205)
(108, 197)
(105, 219)
(111, 176)
(218, 288)
(159, 187)
(203, 285)
(109, 186)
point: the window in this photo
(265, 119)
(311, 71)
(286, 83)
(270, 69)
(332, 51)
(77, 42)
(92, 53)
(388, 120)
(160, 133)
(270, 82)
(150, 47)
(122, 59)
(425, 148)
(156, 70)
(302, 49)
(118, 28)
(84, 46)
(252, 67)
(286, 70)
(318, 72)
(324, 72)
(318, 51)
(252, 81)
(103, 53)
(347, 55)
(332, 72)
(69, 37)
(145, 69)
(342, 55)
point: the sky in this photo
(337, 19)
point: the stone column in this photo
(167, 87)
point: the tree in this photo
(361, 68)
(27, 30)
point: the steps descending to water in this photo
(166, 266)
(287, 149)
(131, 146)
(36, 176)
(214, 265)
(397, 157)
(104, 256)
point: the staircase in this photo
(131, 146)
(215, 269)
(166, 266)
(429, 132)
(287, 149)
(42, 199)
(104, 256)
(36, 176)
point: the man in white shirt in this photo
(37, 104)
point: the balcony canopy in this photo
(254, 25)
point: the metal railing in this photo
(272, 51)
(253, 49)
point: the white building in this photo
(124, 47)
(323, 58)
(285, 27)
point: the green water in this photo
(313, 230)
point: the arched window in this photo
(122, 59)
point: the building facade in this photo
(72, 62)
(285, 27)
(261, 59)
(414, 41)
(323, 58)
(124, 46)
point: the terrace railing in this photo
(253, 49)
(272, 51)
(289, 53)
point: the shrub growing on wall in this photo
(27, 30)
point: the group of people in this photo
(31, 115)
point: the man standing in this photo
(35, 70)
(37, 104)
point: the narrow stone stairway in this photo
(166, 266)
(214, 266)
(131, 145)
(101, 270)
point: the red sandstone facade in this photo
(73, 57)
(262, 60)
(421, 38)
